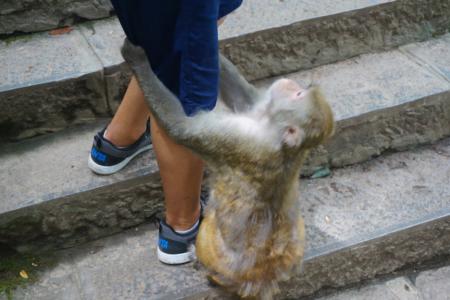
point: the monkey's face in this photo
(303, 116)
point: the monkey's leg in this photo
(209, 253)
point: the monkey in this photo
(252, 236)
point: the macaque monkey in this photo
(252, 235)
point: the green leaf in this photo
(321, 173)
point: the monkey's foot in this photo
(215, 280)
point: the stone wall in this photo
(38, 15)
(311, 43)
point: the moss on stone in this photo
(18, 37)
(12, 263)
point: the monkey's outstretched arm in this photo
(236, 92)
(205, 133)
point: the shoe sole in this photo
(108, 170)
(176, 259)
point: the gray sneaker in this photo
(176, 248)
(106, 158)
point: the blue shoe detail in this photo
(105, 158)
(163, 244)
(177, 248)
(97, 155)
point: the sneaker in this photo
(106, 158)
(176, 248)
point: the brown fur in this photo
(252, 236)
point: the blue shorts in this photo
(180, 39)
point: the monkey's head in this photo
(303, 116)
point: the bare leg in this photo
(181, 171)
(130, 119)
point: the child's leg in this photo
(181, 174)
(130, 119)
(181, 171)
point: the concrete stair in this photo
(388, 101)
(415, 285)
(73, 78)
(386, 215)
(38, 15)
(385, 67)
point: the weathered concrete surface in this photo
(118, 267)
(289, 45)
(384, 255)
(382, 101)
(254, 15)
(267, 38)
(400, 288)
(125, 266)
(59, 283)
(434, 284)
(39, 15)
(419, 86)
(106, 37)
(380, 193)
(99, 278)
(52, 198)
(432, 54)
(131, 255)
(82, 206)
(56, 82)
(324, 32)
(431, 284)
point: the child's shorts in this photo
(181, 41)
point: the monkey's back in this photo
(247, 243)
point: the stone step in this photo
(383, 102)
(386, 101)
(39, 15)
(268, 38)
(367, 220)
(430, 284)
(50, 82)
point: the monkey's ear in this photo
(293, 136)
